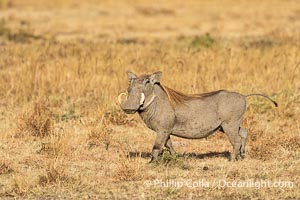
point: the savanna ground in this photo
(63, 63)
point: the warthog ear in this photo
(155, 77)
(131, 76)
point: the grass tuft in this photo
(100, 134)
(205, 41)
(128, 169)
(55, 145)
(20, 36)
(36, 122)
(170, 160)
(20, 186)
(117, 117)
(266, 146)
(5, 167)
(54, 173)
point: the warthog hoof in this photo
(153, 160)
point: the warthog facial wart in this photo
(169, 112)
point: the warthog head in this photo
(140, 92)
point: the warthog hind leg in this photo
(232, 131)
(243, 133)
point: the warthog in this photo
(169, 112)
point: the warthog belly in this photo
(194, 132)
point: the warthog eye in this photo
(147, 81)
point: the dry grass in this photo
(263, 145)
(37, 122)
(63, 63)
(128, 169)
(55, 146)
(54, 174)
(100, 134)
(5, 167)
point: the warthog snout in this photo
(132, 103)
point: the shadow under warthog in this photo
(224, 154)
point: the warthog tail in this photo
(275, 103)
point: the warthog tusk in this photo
(142, 99)
(120, 97)
(149, 102)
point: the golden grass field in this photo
(63, 64)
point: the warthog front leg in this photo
(160, 142)
(169, 146)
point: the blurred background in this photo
(145, 20)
